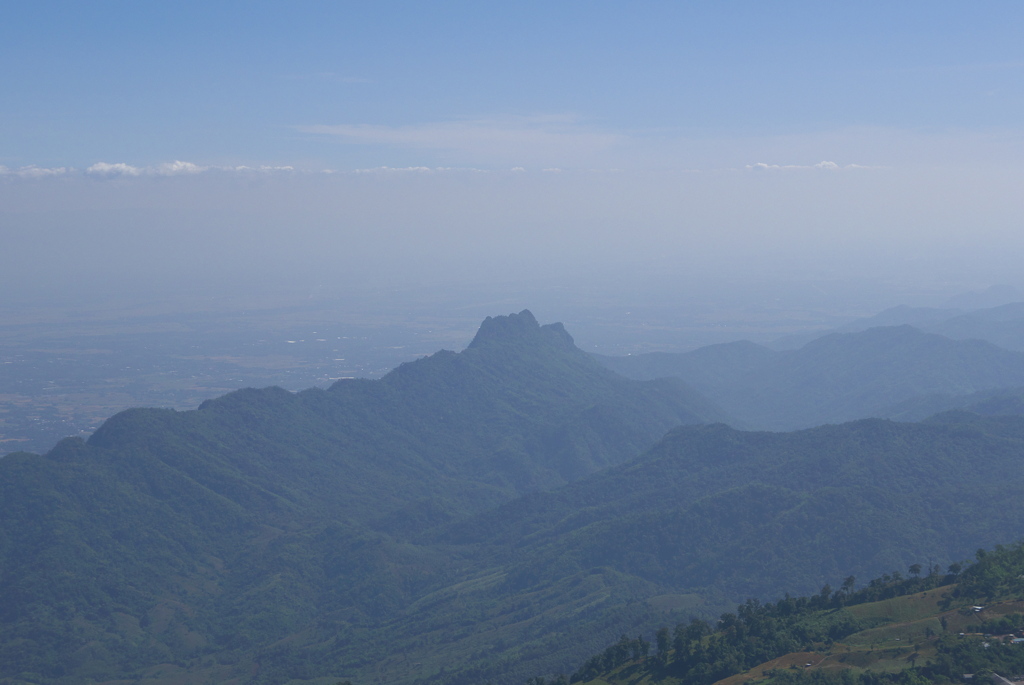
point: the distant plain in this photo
(66, 367)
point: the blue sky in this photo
(353, 85)
(803, 137)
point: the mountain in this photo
(900, 315)
(924, 629)
(839, 377)
(193, 541)
(410, 530)
(727, 514)
(520, 409)
(1001, 325)
(992, 296)
(712, 515)
(995, 402)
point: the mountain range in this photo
(483, 515)
(839, 377)
(170, 535)
(1002, 325)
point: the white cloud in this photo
(177, 167)
(118, 169)
(33, 171)
(388, 169)
(165, 169)
(263, 168)
(825, 166)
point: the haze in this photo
(248, 146)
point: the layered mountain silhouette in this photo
(1001, 325)
(995, 402)
(840, 377)
(172, 534)
(711, 507)
(520, 409)
(484, 515)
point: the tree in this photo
(645, 646)
(915, 569)
(664, 641)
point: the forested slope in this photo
(171, 536)
(933, 627)
(729, 514)
(410, 529)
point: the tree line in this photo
(700, 653)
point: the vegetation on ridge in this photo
(353, 533)
(894, 630)
(268, 523)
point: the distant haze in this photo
(211, 229)
(153, 150)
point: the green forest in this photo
(492, 515)
(931, 627)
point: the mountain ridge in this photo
(266, 516)
(838, 377)
(473, 516)
(1001, 325)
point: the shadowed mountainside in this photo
(170, 535)
(711, 507)
(406, 529)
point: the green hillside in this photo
(930, 628)
(201, 539)
(727, 514)
(451, 523)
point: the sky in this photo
(152, 147)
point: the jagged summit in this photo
(176, 507)
(519, 327)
